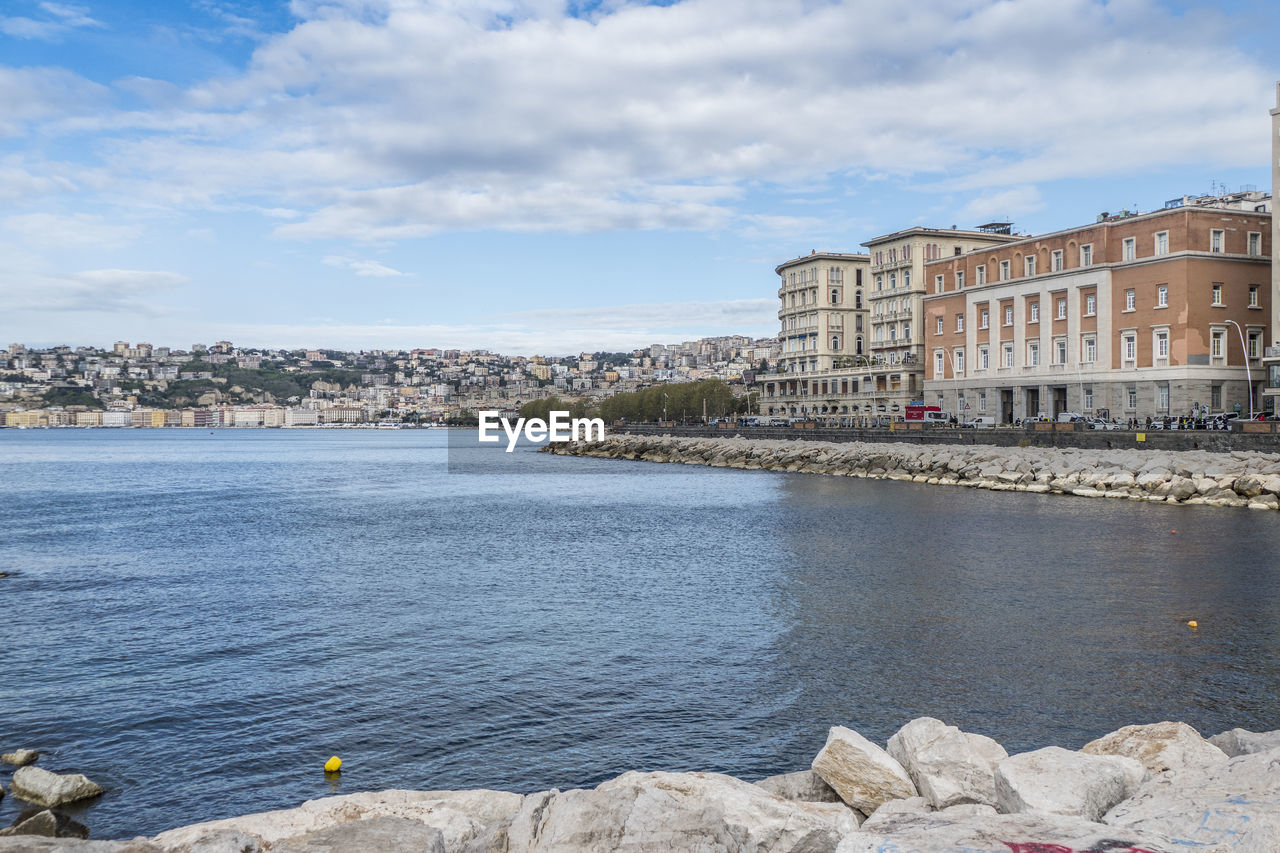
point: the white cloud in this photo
(78, 229)
(363, 267)
(116, 291)
(1004, 204)
(59, 18)
(382, 120)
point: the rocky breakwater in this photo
(1240, 479)
(931, 788)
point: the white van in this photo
(1069, 417)
(937, 418)
(981, 422)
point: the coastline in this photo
(1194, 477)
(931, 788)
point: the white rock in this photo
(1232, 805)
(863, 774)
(1243, 742)
(459, 815)
(20, 757)
(941, 832)
(38, 785)
(893, 808)
(1159, 746)
(661, 812)
(947, 766)
(804, 786)
(1058, 781)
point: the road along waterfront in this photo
(1237, 479)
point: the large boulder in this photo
(20, 757)
(660, 812)
(375, 833)
(1159, 747)
(947, 766)
(1058, 781)
(37, 785)
(1232, 805)
(1243, 742)
(863, 774)
(804, 786)
(458, 815)
(939, 832)
(46, 822)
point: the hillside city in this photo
(222, 385)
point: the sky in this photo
(536, 176)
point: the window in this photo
(1216, 237)
(938, 331)
(1162, 344)
(1215, 343)
(835, 342)
(1215, 398)
(1130, 248)
(984, 318)
(1090, 305)
(1130, 300)
(857, 297)
(1217, 294)
(981, 274)
(1090, 350)
(937, 284)
(906, 278)
(959, 356)
(1055, 260)
(1162, 242)
(1162, 296)
(982, 401)
(937, 365)
(1007, 359)
(1033, 354)
(1033, 312)
(959, 279)
(1253, 344)
(1062, 308)
(1029, 265)
(1255, 243)
(1004, 270)
(1008, 315)
(906, 331)
(959, 322)
(1088, 397)
(893, 280)
(1086, 255)
(835, 297)
(1060, 351)
(1162, 396)
(879, 282)
(1130, 348)
(984, 358)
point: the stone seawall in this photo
(931, 788)
(1236, 478)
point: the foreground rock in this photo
(1237, 479)
(863, 774)
(804, 786)
(20, 757)
(33, 844)
(459, 816)
(1242, 742)
(38, 785)
(1159, 747)
(1058, 781)
(661, 812)
(1232, 805)
(948, 766)
(46, 822)
(939, 832)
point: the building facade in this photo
(1272, 362)
(1159, 314)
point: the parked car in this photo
(1103, 423)
(980, 422)
(1069, 417)
(778, 422)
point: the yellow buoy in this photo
(333, 765)
(1193, 624)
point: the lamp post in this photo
(955, 379)
(1248, 374)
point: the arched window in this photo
(835, 342)
(835, 296)
(857, 343)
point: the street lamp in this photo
(955, 379)
(1248, 374)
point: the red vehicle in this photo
(916, 413)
